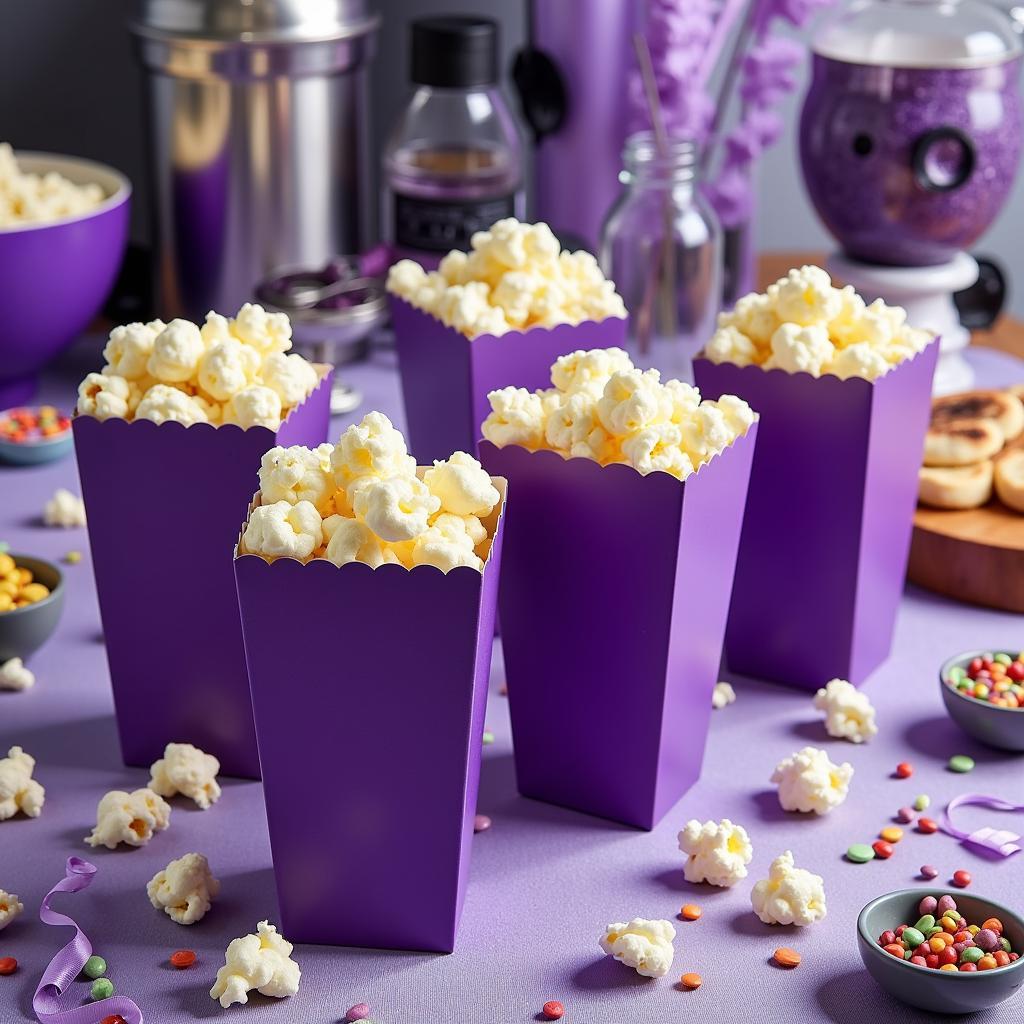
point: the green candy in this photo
(95, 967)
(922, 802)
(933, 931)
(860, 853)
(971, 955)
(926, 923)
(961, 763)
(1004, 945)
(912, 937)
(907, 954)
(1003, 659)
(956, 674)
(953, 915)
(488, 738)
(102, 988)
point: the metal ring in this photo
(925, 143)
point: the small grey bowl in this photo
(938, 991)
(23, 630)
(992, 725)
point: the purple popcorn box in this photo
(163, 504)
(446, 376)
(369, 688)
(827, 531)
(614, 597)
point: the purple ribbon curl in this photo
(65, 967)
(999, 841)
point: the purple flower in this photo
(730, 195)
(796, 12)
(768, 70)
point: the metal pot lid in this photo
(919, 34)
(254, 21)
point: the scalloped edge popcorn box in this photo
(369, 688)
(163, 504)
(826, 536)
(446, 376)
(613, 603)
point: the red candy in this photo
(895, 949)
(8, 965)
(183, 958)
(114, 1018)
(904, 769)
(927, 825)
(882, 849)
(887, 937)
(961, 879)
(553, 1009)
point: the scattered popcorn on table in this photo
(64, 509)
(14, 675)
(789, 895)
(514, 278)
(803, 324)
(187, 770)
(809, 781)
(18, 790)
(130, 818)
(646, 946)
(184, 889)
(262, 962)
(722, 696)
(10, 908)
(603, 408)
(717, 852)
(29, 198)
(226, 371)
(848, 712)
(361, 500)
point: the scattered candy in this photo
(904, 769)
(922, 802)
(553, 1009)
(882, 849)
(73, 557)
(892, 834)
(961, 763)
(182, 958)
(860, 853)
(358, 1012)
(691, 980)
(961, 879)
(17, 585)
(488, 738)
(102, 988)
(481, 823)
(906, 815)
(927, 825)
(786, 957)
(30, 426)
(929, 871)
(114, 1018)
(95, 967)
(8, 965)
(503, 690)
(993, 679)
(690, 912)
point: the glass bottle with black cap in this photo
(453, 164)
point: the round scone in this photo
(961, 442)
(1004, 408)
(1009, 479)
(955, 486)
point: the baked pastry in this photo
(1009, 479)
(1004, 408)
(962, 442)
(956, 486)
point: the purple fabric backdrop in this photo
(544, 881)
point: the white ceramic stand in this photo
(926, 293)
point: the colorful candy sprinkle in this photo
(488, 738)
(553, 1009)
(882, 849)
(922, 802)
(358, 1012)
(182, 958)
(481, 823)
(929, 871)
(904, 769)
(691, 980)
(961, 879)
(892, 834)
(860, 853)
(30, 426)
(690, 912)
(906, 815)
(73, 557)
(95, 967)
(113, 1018)
(8, 965)
(786, 957)
(992, 678)
(102, 988)
(961, 763)
(927, 825)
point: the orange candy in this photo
(183, 958)
(987, 962)
(690, 912)
(935, 944)
(1002, 958)
(892, 834)
(691, 980)
(994, 924)
(786, 957)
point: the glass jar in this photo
(662, 246)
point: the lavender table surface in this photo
(544, 881)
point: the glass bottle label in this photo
(440, 225)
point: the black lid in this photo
(454, 51)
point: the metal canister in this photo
(258, 141)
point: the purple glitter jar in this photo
(910, 135)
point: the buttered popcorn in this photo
(27, 198)
(802, 324)
(602, 408)
(362, 500)
(18, 790)
(515, 277)
(185, 889)
(809, 781)
(262, 962)
(130, 818)
(717, 852)
(10, 908)
(849, 714)
(789, 895)
(646, 946)
(187, 770)
(235, 370)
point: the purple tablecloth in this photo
(544, 881)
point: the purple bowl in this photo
(57, 274)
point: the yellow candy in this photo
(6, 602)
(6, 564)
(34, 592)
(892, 834)
(949, 967)
(9, 587)
(24, 576)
